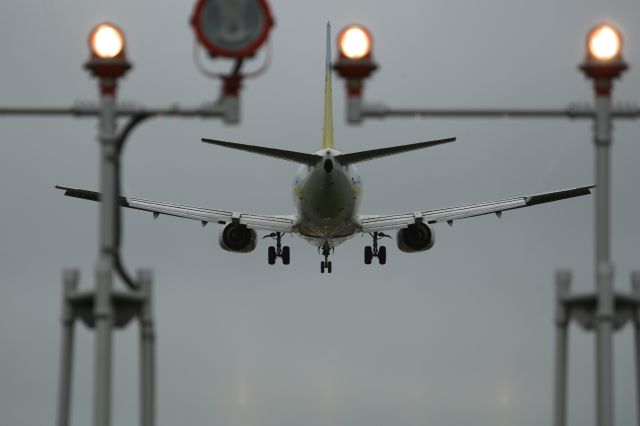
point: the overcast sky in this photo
(461, 334)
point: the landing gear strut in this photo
(279, 250)
(326, 263)
(375, 251)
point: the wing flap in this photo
(203, 215)
(398, 221)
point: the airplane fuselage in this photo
(327, 197)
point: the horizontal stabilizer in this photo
(298, 157)
(356, 157)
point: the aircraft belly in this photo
(327, 205)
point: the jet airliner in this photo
(327, 190)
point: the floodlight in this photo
(604, 42)
(233, 29)
(354, 42)
(106, 41)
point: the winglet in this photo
(327, 128)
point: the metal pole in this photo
(70, 285)
(563, 284)
(603, 266)
(104, 276)
(147, 353)
(635, 286)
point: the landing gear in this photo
(279, 250)
(326, 263)
(375, 251)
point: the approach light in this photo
(354, 42)
(604, 42)
(233, 29)
(106, 41)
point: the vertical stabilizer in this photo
(327, 128)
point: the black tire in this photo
(382, 255)
(271, 255)
(286, 255)
(368, 255)
(329, 267)
(322, 267)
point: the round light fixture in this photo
(106, 41)
(604, 42)
(354, 42)
(232, 29)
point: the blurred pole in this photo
(147, 353)
(604, 344)
(635, 286)
(70, 285)
(104, 273)
(563, 283)
(603, 266)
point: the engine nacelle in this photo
(416, 237)
(238, 238)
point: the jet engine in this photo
(237, 238)
(416, 237)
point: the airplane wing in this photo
(257, 222)
(379, 223)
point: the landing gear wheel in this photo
(368, 255)
(322, 267)
(329, 267)
(382, 255)
(375, 251)
(272, 255)
(279, 250)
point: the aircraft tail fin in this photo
(327, 128)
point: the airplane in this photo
(327, 190)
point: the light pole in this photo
(355, 64)
(108, 63)
(105, 308)
(603, 64)
(603, 311)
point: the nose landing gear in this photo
(375, 251)
(279, 250)
(326, 263)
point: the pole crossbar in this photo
(572, 112)
(91, 110)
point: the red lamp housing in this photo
(232, 30)
(355, 62)
(603, 59)
(108, 59)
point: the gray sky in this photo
(461, 334)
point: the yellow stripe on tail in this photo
(327, 128)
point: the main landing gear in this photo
(326, 263)
(375, 251)
(279, 250)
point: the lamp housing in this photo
(232, 29)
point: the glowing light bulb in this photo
(605, 42)
(107, 41)
(355, 42)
